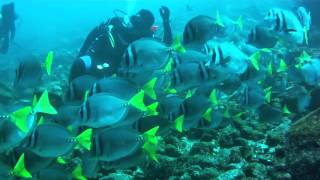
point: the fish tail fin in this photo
(149, 88)
(44, 105)
(48, 62)
(218, 19)
(255, 60)
(214, 97)
(152, 109)
(282, 66)
(84, 139)
(41, 121)
(179, 123)
(151, 142)
(168, 67)
(177, 45)
(239, 23)
(77, 173)
(61, 160)
(137, 101)
(34, 101)
(268, 93)
(207, 115)
(286, 110)
(19, 118)
(20, 170)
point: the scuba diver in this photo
(7, 26)
(104, 46)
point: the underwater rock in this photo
(172, 151)
(303, 147)
(117, 176)
(227, 136)
(207, 173)
(247, 130)
(232, 174)
(203, 148)
(256, 170)
(282, 176)
(276, 135)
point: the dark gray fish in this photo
(218, 119)
(67, 115)
(252, 96)
(116, 86)
(53, 172)
(50, 140)
(190, 56)
(28, 75)
(261, 38)
(5, 171)
(79, 86)
(102, 110)
(133, 160)
(112, 144)
(200, 29)
(10, 135)
(297, 99)
(193, 109)
(192, 74)
(145, 55)
(227, 55)
(7, 94)
(33, 162)
(270, 113)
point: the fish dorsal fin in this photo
(44, 106)
(84, 139)
(19, 118)
(48, 62)
(255, 60)
(149, 88)
(137, 101)
(304, 57)
(179, 123)
(77, 173)
(34, 101)
(151, 142)
(218, 19)
(20, 169)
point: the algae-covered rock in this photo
(256, 170)
(232, 174)
(303, 147)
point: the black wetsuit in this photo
(98, 48)
(7, 27)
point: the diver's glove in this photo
(165, 13)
